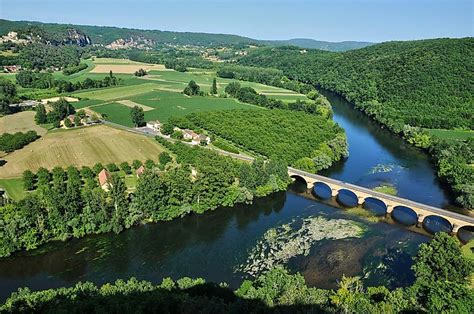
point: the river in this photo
(222, 245)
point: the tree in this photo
(28, 180)
(117, 192)
(68, 123)
(214, 87)
(40, 116)
(126, 167)
(7, 94)
(167, 128)
(165, 158)
(441, 260)
(149, 164)
(77, 121)
(232, 88)
(98, 167)
(112, 167)
(136, 164)
(192, 89)
(138, 116)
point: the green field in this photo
(451, 134)
(14, 188)
(160, 90)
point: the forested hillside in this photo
(105, 35)
(426, 83)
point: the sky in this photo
(330, 20)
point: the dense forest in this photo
(69, 203)
(309, 142)
(441, 286)
(424, 83)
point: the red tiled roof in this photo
(140, 170)
(104, 176)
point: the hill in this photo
(105, 35)
(321, 45)
(425, 83)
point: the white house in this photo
(154, 125)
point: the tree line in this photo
(34, 79)
(69, 203)
(11, 142)
(441, 286)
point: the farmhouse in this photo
(25, 104)
(154, 125)
(104, 178)
(190, 135)
(11, 68)
(140, 171)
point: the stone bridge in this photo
(392, 203)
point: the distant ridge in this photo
(106, 34)
(321, 45)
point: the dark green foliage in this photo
(28, 180)
(61, 109)
(136, 164)
(40, 56)
(125, 167)
(165, 158)
(40, 116)
(138, 116)
(167, 128)
(11, 142)
(214, 86)
(74, 69)
(7, 94)
(454, 162)
(112, 167)
(28, 78)
(192, 89)
(98, 167)
(277, 134)
(419, 83)
(149, 164)
(442, 277)
(140, 73)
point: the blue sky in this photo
(332, 20)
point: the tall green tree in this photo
(40, 116)
(138, 116)
(214, 87)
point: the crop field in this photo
(159, 93)
(166, 104)
(80, 147)
(105, 65)
(20, 122)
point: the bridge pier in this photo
(360, 200)
(419, 224)
(455, 229)
(334, 192)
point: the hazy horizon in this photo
(360, 20)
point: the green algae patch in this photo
(278, 245)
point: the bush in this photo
(225, 146)
(74, 69)
(165, 158)
(126, 167)
(112, 167)
(136, 164)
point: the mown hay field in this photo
(80, 147)
(20, 122)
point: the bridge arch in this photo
(322, 190)
(404, 215)
(347, 198)
(433, 224)
(375, 206)
(466, 234)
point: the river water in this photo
(221, 245)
